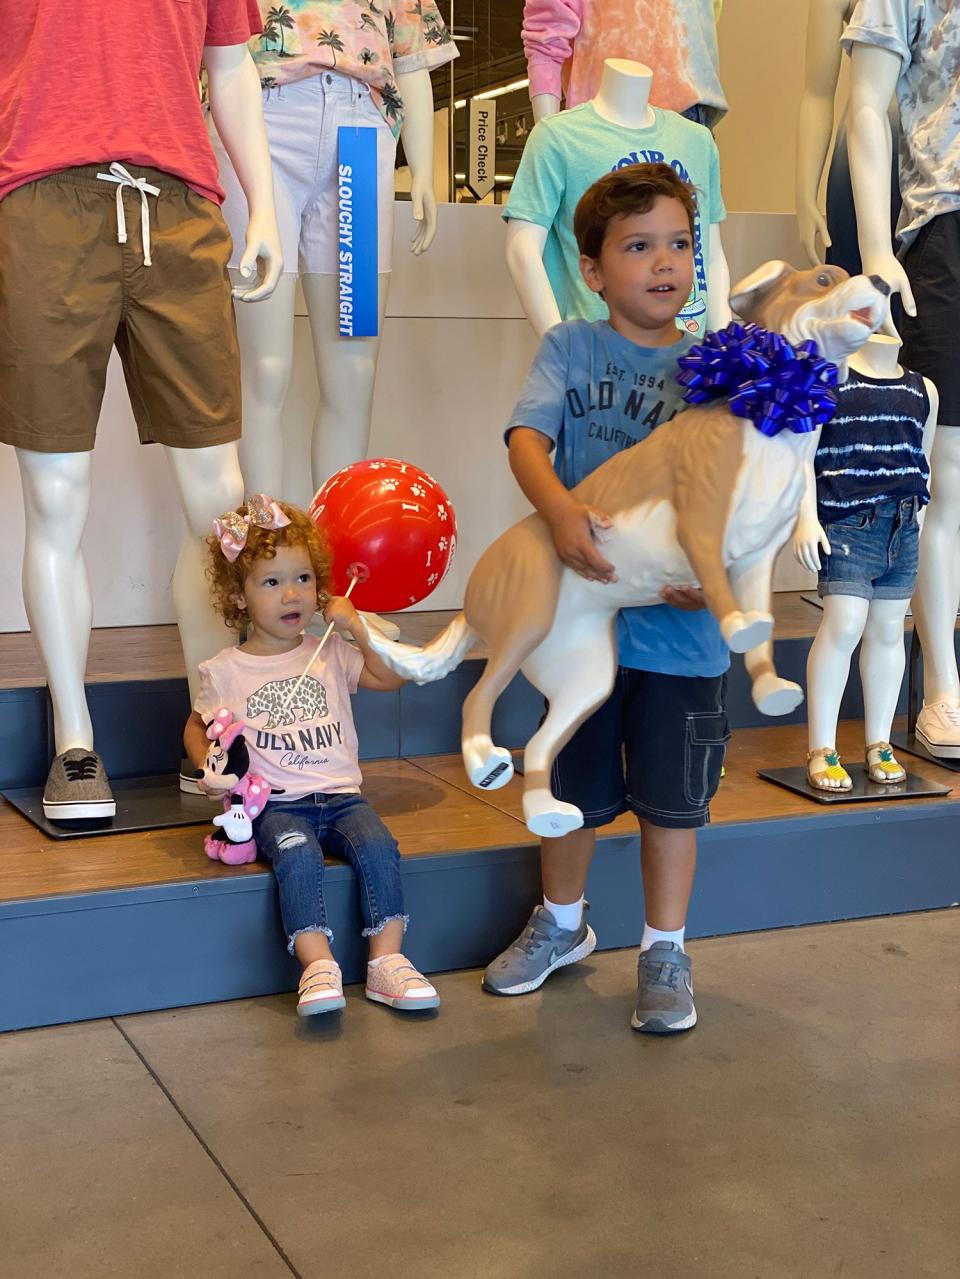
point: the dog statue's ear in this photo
(748, 293)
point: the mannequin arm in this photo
(930, 426)
(236, 106)
(808, 536)
(718, 283)
(544, 104)
(549, 29)
(815, 127)
(525, 244)
(873, 78)
(417, 134)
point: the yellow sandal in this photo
(834, 772)
(883, 766)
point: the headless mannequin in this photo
(346, 367)
(56, 486)
(623, 99)
(847, 618)
(874, 75)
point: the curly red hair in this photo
(227, 579)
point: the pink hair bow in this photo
(231, 529)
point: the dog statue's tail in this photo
(425, 665)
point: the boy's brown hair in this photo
(227, 578)
(633, 189)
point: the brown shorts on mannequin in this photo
(69, 293)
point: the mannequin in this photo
(829, 236)
(623, 100)
(848, 617)
(56, 484)
(346, 366)
(883, 59)
(568, 41)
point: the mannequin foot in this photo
(938, 728)
(743, 631)
(77, 788)
(883, 766)
(775, 696)
(488, 769)
(825, 772)
(545, 815)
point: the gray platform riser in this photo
(68, 959)
(139, 724)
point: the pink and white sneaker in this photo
(393, 980)
(321, 988)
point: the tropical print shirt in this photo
(370, 40)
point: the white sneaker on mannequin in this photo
(938, 728)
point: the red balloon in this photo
(393, 523)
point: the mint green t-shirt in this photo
(566, 153)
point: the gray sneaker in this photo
(540, 949)
(664, 991)
(77, 788)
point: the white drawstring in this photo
(123, 179)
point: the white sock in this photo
(568, 916)
(650, 935)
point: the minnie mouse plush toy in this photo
(226, 771)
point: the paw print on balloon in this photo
(418, 490)
(433, 579)
(441, 511)
(390, 484)
(443, 544)
(376, 466)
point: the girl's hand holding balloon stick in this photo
(335, 615)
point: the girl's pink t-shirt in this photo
(309, 745)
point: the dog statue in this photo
(705, 498)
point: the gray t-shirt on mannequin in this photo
(925, 34)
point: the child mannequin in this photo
(866, 487)
(270, 572)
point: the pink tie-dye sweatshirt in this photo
(567, 42)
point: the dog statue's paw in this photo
(744, 631)
(489, 769)
(546, 816)
(775, 696)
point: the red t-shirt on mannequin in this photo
(90, 81)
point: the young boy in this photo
(656, 746)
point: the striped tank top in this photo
(872, 449)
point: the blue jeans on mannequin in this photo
(293, 835)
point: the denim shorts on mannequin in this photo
(873, 554)
(302, 120)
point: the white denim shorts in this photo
(302, 121)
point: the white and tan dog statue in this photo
(706, 498)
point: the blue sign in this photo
(357, 231)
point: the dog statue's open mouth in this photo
(865, 316)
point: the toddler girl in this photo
(270, 572)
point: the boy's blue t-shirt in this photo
(594, 392)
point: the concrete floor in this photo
(809, 1127)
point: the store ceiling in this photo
(488, 37)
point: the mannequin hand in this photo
(262, 248)
(690, 599)
(813, 233)
(424, 203)
(808, 539)
(576, 531)
(341, 612)
(888, 267)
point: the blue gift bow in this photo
(776, 385)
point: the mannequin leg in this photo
(265, 331)
(828, 668)
(208, 482)
(56, 591)
(938, 582)
(346, 370)
(882, 660)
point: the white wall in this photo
(454, 355)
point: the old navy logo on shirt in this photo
(642, 404)
(357, 231)
(695, 308)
